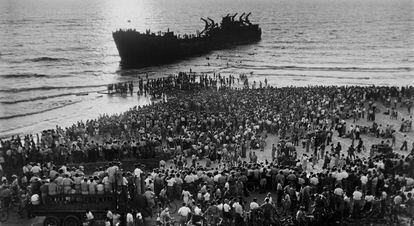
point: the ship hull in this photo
(140, 50)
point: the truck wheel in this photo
(51, 221)
(71, 220)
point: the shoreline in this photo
(147, 99)
(123, 103)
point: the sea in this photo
(57, 56)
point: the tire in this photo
(4, 215)
(51, 221)
(71, 220)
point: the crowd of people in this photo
(123, 88)
(210, 118)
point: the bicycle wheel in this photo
(4, 214)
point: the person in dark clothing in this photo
(404, 146)
(268, 212)
(338, 149)
(351, 152)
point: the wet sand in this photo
(93, 105)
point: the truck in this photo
(70, 209)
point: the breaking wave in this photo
(17, 90)
(38, 112)
(25, 75)
(352, 69)
(39, 98)
(47, 59)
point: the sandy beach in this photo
(190, 96)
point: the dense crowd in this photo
(122, 88)
(210, 118)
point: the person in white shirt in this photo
(35, 199)
(162, 164)
(138, 219)
(89, 217)
(116, 219)
(137, 178)
(109, 214)
(107, 184)
(170, 182)
(170, 186)
(189, 179)
(314, 180)
(100, 189)
(226, 210)
(111, 174)
(238, 210)
(357, 195)
(108, 222)
(269, 196)
(216, 177)
(207, 196)
(364, 181)
(369, 198)
(183, 212)
(254, 204)
(26, 168)
(338, 191)
(137, 171)
(35, 169)
(220, 207)
(129, 219)
(64, 168)
(358, 202)
(197, 210)
(186, 196)
(227, 186)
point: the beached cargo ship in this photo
(138, 49)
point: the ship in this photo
(138, 49)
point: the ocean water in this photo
(51, 50)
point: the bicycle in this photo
(287, 221)
(214, 221)
(196, 220)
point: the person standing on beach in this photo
(329, 137)
(404, 146)
(112, 170)
(137, 179)
(273, 152)
(322, 150)
(393, 139)
(351, 152)
(338, 148)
